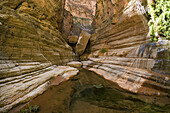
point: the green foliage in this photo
(30, 109)
(98, 86)
(160, 19)
(103, 50)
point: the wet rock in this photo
(73, 39)
(135, 80)
(82, 42)
(75, 64)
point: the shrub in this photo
(103, 50)
(98, 86)
(30, 109)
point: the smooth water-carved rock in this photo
(131, 60)
(82, 42)
(135, 80)
(22, 88)
(75, 64)
(156, 52)
(31, 45)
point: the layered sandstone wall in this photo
(120, 24)
(122, 31)
(121, 50)
(30, 30)
(31, 45)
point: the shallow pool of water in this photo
(89, 93)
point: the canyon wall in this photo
(81, 8)
(30, 30)
(83, 11)
(122, 31)
(121, 50)
(31, 45)
(120, 25)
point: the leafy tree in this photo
(159, 11)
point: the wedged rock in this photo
(82, 42)
(73, 39)
(75, 64)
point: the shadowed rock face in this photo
(83, 11)
(30, 31)
(81, 8)
(67, 25)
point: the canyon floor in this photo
(88, 92)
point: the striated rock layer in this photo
(119, 25)
(30, 31)
(31, 45)
(122, 52)
(22, 88)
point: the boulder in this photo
(73, 39)
(75, 64)
(82, 42)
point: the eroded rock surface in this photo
(67, 25)
(31, 31)
(81, 8)
(31, 45)
(120, 26)
(83, 12)
(75, 64)
(121, 51)
(136, 80)
(21, 88)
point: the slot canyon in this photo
(84, 56)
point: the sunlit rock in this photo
(75, 64)
(82, 42)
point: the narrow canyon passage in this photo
(84, 56)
